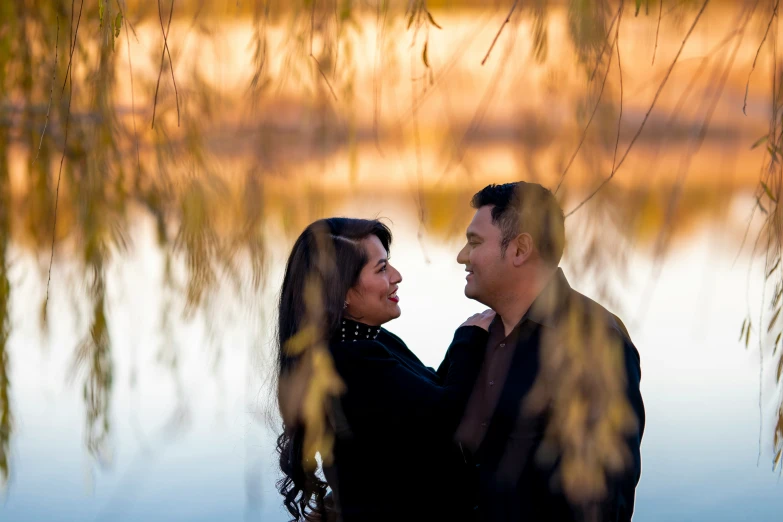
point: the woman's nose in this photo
(396, 276)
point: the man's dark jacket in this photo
(518, 472)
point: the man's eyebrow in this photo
(382, 260)
(472, 235)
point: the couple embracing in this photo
(518, 423)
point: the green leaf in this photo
(638, 7)
(410, 19)
(777, 341)
(432, 20)
(773, 152)
(768, 192)
(772, 321)
(742, 332)
(759, 141)
(424, 56)
(100, 11)
(747, 336)
(780, 369)
(758, 202)
(117, 25)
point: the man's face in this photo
(488, 271)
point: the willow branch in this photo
(51, 89)
(503, 25)
(72, 44)
(647, 115)
(163, 61)
(753, 67)
(317, 63)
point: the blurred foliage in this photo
(89, 163)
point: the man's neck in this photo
(513, 306)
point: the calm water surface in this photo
(192, 441)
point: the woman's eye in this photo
(383, 269)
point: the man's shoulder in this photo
(594, 312)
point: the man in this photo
(555, 422)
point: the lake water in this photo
(193, 442)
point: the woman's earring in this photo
(345, 305)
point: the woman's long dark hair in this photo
(328, 255)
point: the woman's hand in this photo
(482, 320)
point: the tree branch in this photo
(500, 31)
(647, 115)
(753, 67)
(51, 90)
(600, 95)
(657, 29)
(162, 62)
(317, 63)
(133, 97)
(72, 45)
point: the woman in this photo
(393, 457)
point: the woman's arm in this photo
(382, 390)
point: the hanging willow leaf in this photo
(778, 293)
(747, 336)
(410, 19)
(432, 20)
(773, 153)
(759, 142)
(117, 25)
(780, 368)
(742, 332)
(772, 321)
(777, 263)
(100, 11)
(777, 341)
(776, 462)
(424, 56)
(638, 7)
(758, 202)
(768, 192)
(302, 340)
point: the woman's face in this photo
(373, 300)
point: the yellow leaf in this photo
(759, 141)
(432, 20)
(303, 339)
(424, 56)
(772, 321)
(742, 332)
(769, 192)
(777, 263)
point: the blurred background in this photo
(151, 188)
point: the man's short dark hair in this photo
(526, 207)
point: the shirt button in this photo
(491, 383)
(502, 345)
(483, 424)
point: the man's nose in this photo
(462, 258)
